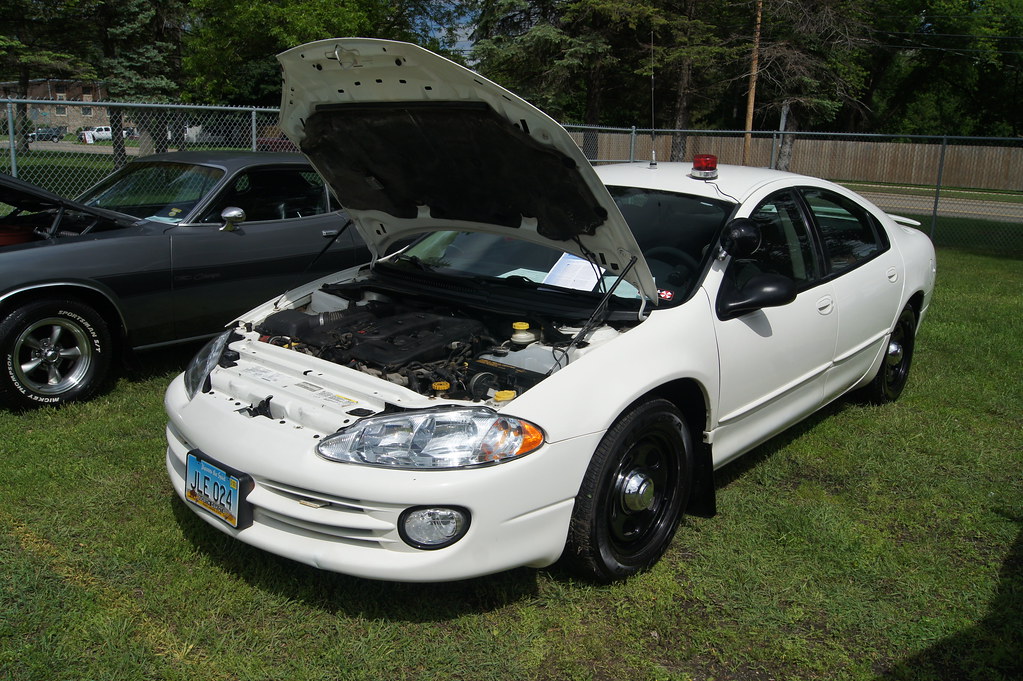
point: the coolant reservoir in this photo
(536, 357)
(522, 334)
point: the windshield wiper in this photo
(518, 280)
(416, 262)
(601, 312)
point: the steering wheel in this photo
(673, 256)
(671, 267)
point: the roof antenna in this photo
(653, 120)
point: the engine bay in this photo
(433, 348)
(18, 227)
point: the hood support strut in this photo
(600, 311)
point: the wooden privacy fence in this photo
(994, 164)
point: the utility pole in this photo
(751, 98)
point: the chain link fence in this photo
(966, 192)
(66, 147)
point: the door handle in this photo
(825, 305)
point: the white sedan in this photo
(558, 364)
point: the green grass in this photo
(73, 169)
(61, 172)
(1001, 196)
(976, 236)
(869, 542)
(973, 235)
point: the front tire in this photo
(633, 494)
(891, 378)
(54, 351)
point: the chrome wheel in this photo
(53, 351)
(52, 356)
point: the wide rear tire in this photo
(53, 351)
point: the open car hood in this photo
(412, 142)
(30, 198)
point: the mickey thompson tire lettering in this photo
(54, 351)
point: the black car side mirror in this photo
(741, 238)
(232, 217)
(762, 290)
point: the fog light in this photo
(431, 528)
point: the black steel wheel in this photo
(53, 351)
(633, 494)
(891, 378)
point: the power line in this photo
(952, 49)
(917, 34)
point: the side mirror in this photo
(742, 238)
(232, 217)
(762, 290)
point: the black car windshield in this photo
(161, 191)
(675, 233)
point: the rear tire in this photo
(53, 351)
(891, 378)
(633, 494)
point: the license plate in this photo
(218, 489)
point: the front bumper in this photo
(343, 517)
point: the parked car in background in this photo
(557, 366)
(165, 250)
(103, 132)
(280, 143)
(46, 135)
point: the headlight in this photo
(202, 364)
(450, 438)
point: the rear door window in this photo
(849, 234)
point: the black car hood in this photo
(412, 142)
(28, 197)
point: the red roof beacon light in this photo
(705, 167)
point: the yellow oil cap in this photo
(440, 386)
(520, 326)
(504, 395)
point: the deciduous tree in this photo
(35, 43)
(231, 44)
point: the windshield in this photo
(166, 192)
(675, 233)
(477, 254)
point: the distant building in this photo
(57, 115)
